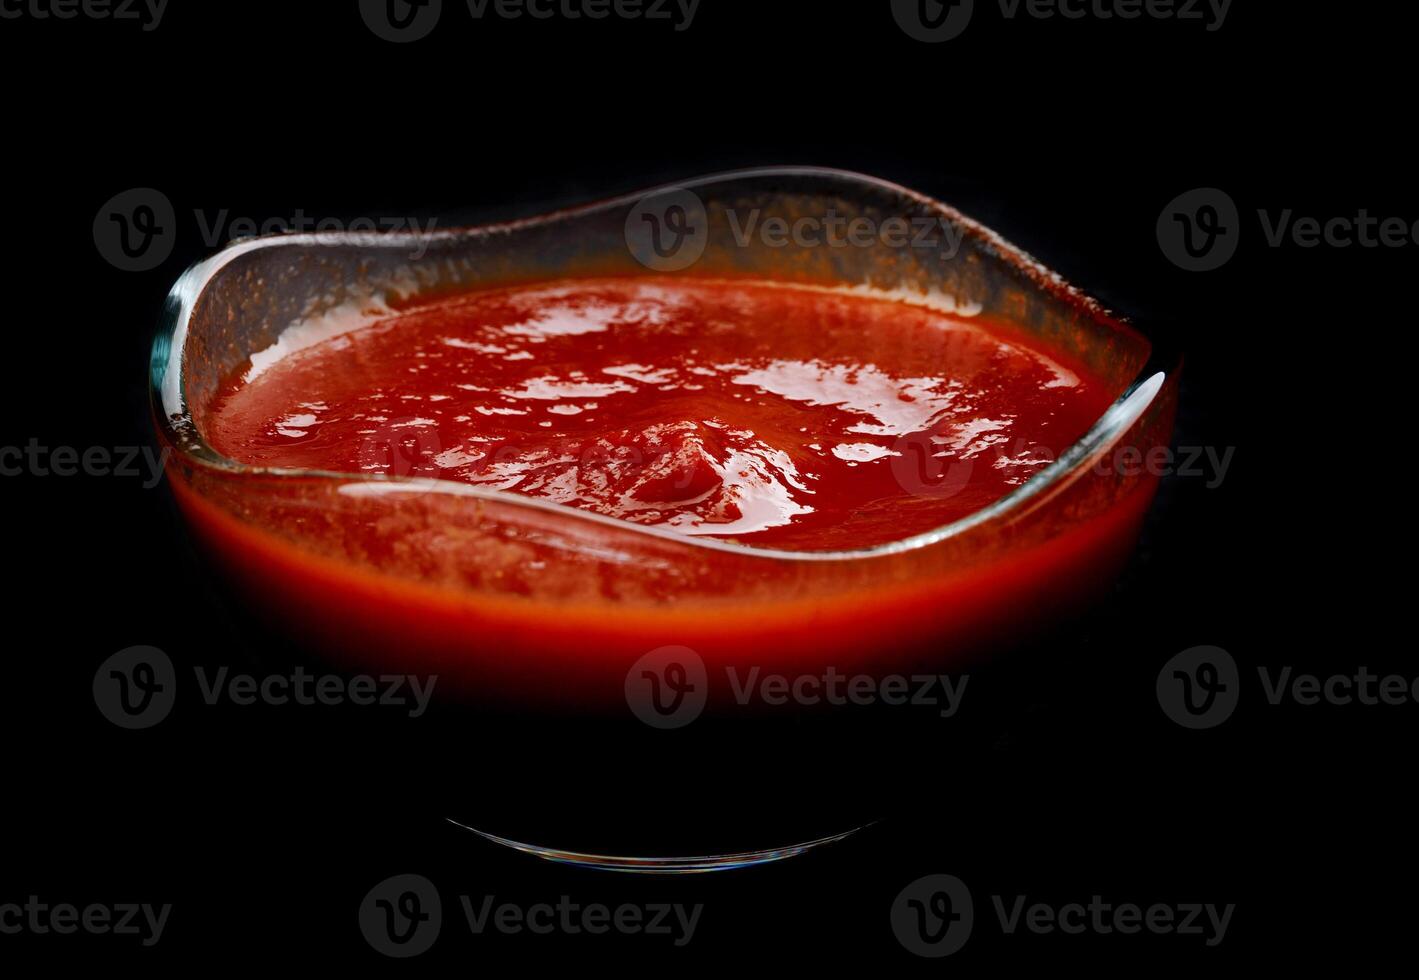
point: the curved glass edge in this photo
(697, 864)
(171, 411)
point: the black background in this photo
(265, 829)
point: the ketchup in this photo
(781, 416)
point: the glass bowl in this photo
(555, 650)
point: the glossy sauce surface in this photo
(774, 415)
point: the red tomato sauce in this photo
(778, 416)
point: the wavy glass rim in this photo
(169, 398)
